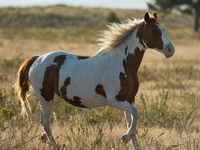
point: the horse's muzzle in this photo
(168, 51)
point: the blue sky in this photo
(140, 4)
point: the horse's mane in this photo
(117, 33)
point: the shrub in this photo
(112, 18)
(7, 113)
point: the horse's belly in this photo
(82, 93)
(85, 101)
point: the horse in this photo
(108, 78)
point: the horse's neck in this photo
(129, 54)
(133, 42)
(132, 52)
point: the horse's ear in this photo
(146, 17)
(155, 15)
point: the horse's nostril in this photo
(169, 50)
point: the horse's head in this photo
(152, 35)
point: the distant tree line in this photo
(186, 6)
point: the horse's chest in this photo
(129, 88)
(132, 91)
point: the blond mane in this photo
(117, 33)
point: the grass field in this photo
(168, 98)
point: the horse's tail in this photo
(22, 84)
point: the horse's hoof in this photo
(125, 138)
(44, 138)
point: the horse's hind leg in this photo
(45, 116)
(129, 121)
(44, 135)
(45, 119)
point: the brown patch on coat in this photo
(100, 90)
(82, 57)
(76, 101)
(51, 78)
(126, 50)
(149, 33)
(129, 80)
(59, 60)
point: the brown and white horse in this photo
(108, 78)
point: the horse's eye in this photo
(153, 31)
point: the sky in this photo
(138, 4)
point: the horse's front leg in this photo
(126, 106)
(129, 121)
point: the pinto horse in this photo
(108, 78)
